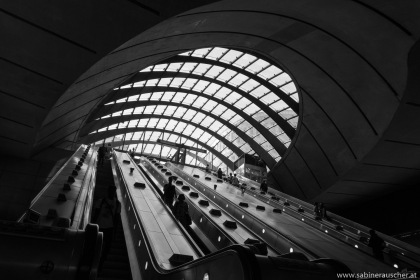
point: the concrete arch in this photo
(351, 64)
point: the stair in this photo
(116, 265)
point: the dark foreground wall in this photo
(22, 179)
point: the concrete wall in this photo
(22, 179)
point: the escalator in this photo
(149, 225)
(321, 243)
(116, 265)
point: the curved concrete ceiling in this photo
(355, 64)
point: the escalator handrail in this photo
(243, 253)
(159, 194)
(145, 237)
(303, 249)
(204, 213)
(397, 244)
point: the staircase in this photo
(116, 265)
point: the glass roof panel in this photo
(280, 79)
(227, 115)
(180, 112)
(188, 67)
(214, 71)
(251, 109)
(226, 75)
(133, 98)
(179, 97)
(257, 66)
(201, 68)
(207, 121)
(201, 85)
(156, 96)
(239, 71)
(231, 56)
(216, 53)
(199, 102)
(269, 98)
(270, 72)
(210, 105)
(145, 96)
(168, 96)
(289, 88)
(201, 52)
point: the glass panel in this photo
(212, 88)
(226, 75)
(188, 67)
(133, 98)
(269, 72)
(249, 85)
(210, 105)
(280, 79)
(156, 96)
(231, 56)
(159, 109)
(145, 96)
(214, 71)
(160, 67)
(201, 52)
(199, 102)
(168, 96)
(289, 88)
(174, 67)
(245, 82)
(201, 69)
(269, 98)
(201, 85)
(257, 66)
(227, 115)
(179, 97)
(251, 109)
(180, 112)
(242, 103)
(216, 53)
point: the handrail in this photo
(70, 204)
(54, 177)
(234, 262)
(159, 195)
(404, 249)
(128, 196)
(204, 214)
(265, 225)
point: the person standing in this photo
(235, 181)
(219, 173)
(101, 154)
(169, 193)
(207, 169)
(263, 186)
(105, 215)
(317, 211)
(180, 211)
(377, 244)
(230, 178)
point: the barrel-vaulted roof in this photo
(231, 100)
